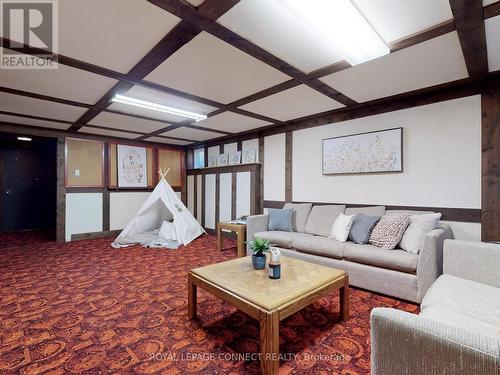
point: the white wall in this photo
(123, 206)
(190, 193)
(225, 192)
(210, 201)
(199, 197)
(274, 167)
(243, 193)
(441, 155)
(83, 213)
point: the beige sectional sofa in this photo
(393, 272)
(458, 328)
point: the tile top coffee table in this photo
(269, 301)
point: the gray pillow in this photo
(362, 228)
(300, 215)
(280, 219)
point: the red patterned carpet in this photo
(84, 307)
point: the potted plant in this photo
(259, 247)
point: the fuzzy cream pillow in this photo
(389, 230)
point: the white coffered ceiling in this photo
(251, 66)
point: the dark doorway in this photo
(28, 183)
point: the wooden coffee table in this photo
(269, 301)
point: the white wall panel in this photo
(199, 197)
(210, 201)
(441, 153)
(225, 200)
(274, 167)
(242, 194)
(123, 206)
(251, 144)
(83, 213)
(190, 193)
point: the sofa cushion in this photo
(318, 245)
(362, 228)
(370, 211)
(279, 238)
(389, 230)
(469, 298)
(280, 219)
(419, 226)
(398, 260)
(300, 215)
(463, 322)
(321, 219)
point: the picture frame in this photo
(379, 151)
(249, 157)
(132, 166)
(235, 158)
(223, 160)
(213, 161)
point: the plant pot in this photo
(259, 261)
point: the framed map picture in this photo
(223, 160)
(249, 156)
(131, 163)
(235, 158)
(373, 152)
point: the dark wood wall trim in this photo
(288, 166)
(94, 235)
(225, 169)
(261, 184)
(466, 215)
(490, 195)
(234, 197)
(61, 191)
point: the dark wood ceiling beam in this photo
(492, 10)
(21, 129)
(176, 38)
(424, 35)
(469, 21)
(435, 94)
(33, 95)
(15, 114)
(190, 14)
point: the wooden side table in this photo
(239, 229)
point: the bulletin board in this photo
(84, 163)
(113, 167)
(173, 159)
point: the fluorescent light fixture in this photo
(157, 107)
(340, 24)
(25, 139)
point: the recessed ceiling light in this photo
(340, 24)
(157, 107)
(25, 139)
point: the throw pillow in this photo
(419, 226)
(389, 231)
(342, 227)
(362, 228)
(280, 219)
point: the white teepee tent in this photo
(162, 206)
